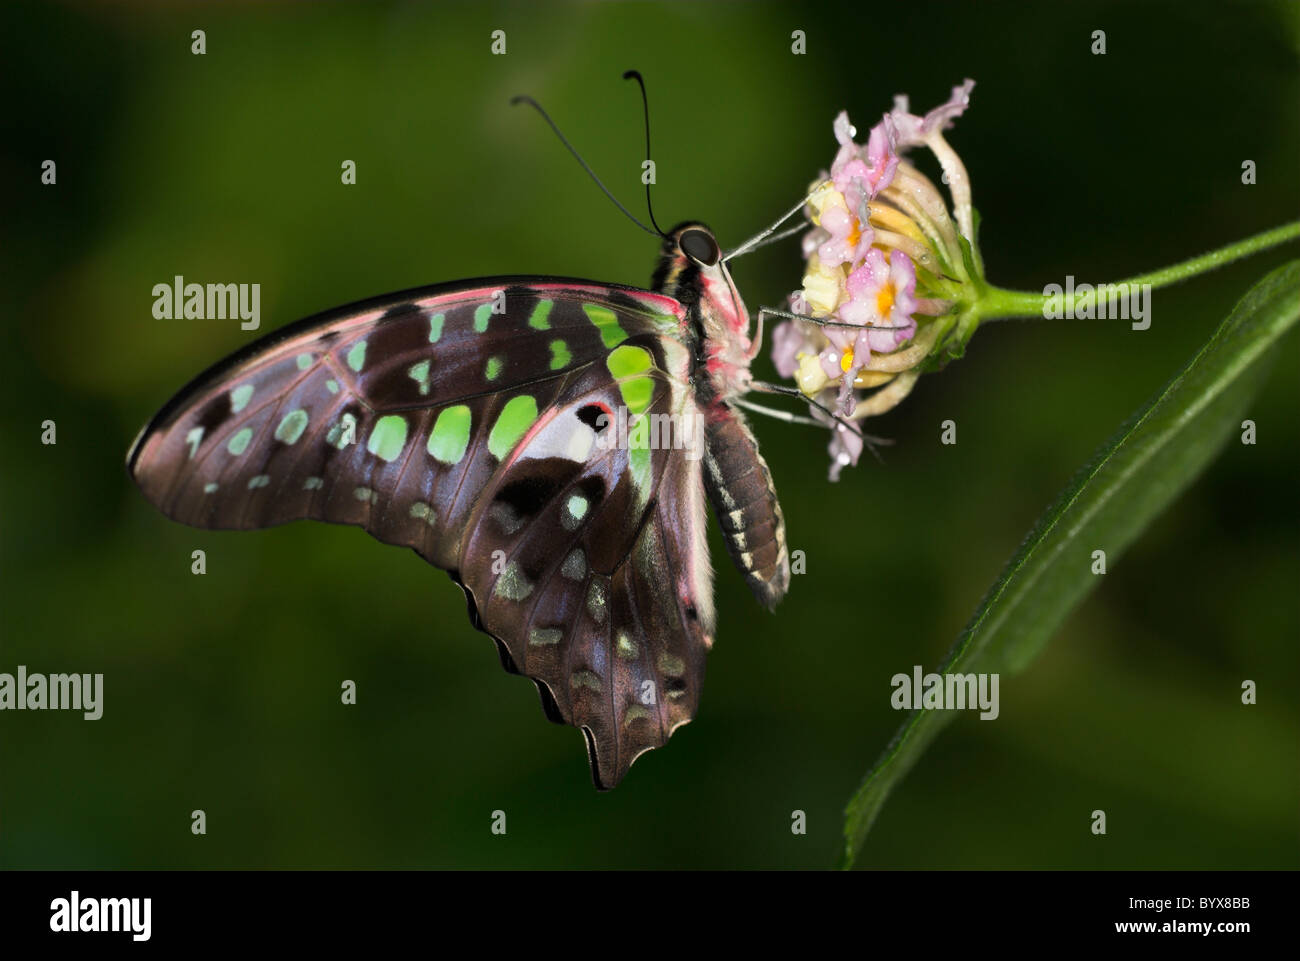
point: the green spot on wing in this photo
(342, 433)
(481, 314)
(627, 364)
(304, 361)
(239, 397)
(638, 433)
(513, 585)
(512, 423)
(639, 461)
(639, 457)
(493, 368)
(420, 374)
(577, 506)
(388, 438)
(575, 565)
(239, 443)
(596, 601)
(628, 361)
(637, 393)
(671, 664)
(538, 320)
(435, 327)
(450, 436)
(292, 426)
(357, 356)
(560, 355)
(606, 322)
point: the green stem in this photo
(994, 302)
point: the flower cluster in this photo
(886, 268)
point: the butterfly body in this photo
(736, 477)
(473, 423)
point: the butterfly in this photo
(551, 443)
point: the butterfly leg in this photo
(821, 321)
(775, 414)
(762, 387)
(789, 418)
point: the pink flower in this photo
(789, 339)
(845, 447)
(850, 236)
(842, 234)
(860, 287)
(882, 154)
(914, 131)
(883, 296)
(812, 240)
(861, 174)
(881, 300)
(847, 354)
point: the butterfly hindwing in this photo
(583, 558)
(463, 422)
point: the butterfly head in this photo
(692, 270)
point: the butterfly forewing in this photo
(330, 396)
(465, 423)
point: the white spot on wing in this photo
(565, 437)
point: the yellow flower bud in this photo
(809, 375)
(822, 287)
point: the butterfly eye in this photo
(700, 246)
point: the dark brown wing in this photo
(436, 423)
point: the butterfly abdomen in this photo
(740, 488)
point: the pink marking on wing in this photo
(658, 303)
(476, 295)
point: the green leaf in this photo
(968, 259)
(1153, 457)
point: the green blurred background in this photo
(222, 691)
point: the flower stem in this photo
(994, 302)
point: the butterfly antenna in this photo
(645, 106)
(524, 98)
